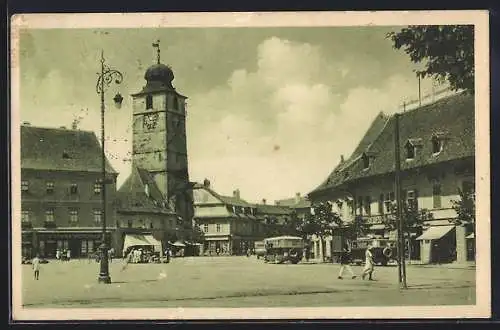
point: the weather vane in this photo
(157, 46)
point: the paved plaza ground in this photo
(239, 282)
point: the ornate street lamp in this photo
(104, 80)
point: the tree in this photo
(292, 225)
(321, 223)
(413, 218)
(356, 228)
(465, 208)
(448, 51)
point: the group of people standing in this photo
(63, 255)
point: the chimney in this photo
(341, 158)
(264, 201)
(26, 123)
(236, 194)
(206, 183)
(297, 198)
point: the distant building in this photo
(437, 158)
(61, 204)
(299, 204)
(229, 223)
(142, 213)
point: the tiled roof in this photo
(132, 196)
(451, 119)
(61, 149)
(230, 200)
(272, 209)
(293, 203)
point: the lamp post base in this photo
(104, 279)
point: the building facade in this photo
(229, 223)
(437, 159)
(61, 187)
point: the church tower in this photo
(159, 136)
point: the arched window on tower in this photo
(410, 150)
(175, 104)
(149, 102)
(437, 145)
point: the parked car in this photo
(283, 249)
(381, 255)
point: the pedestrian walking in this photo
(345, 262)
(36, 266)
(369, 264)
(128, 260)
(58, 254)
(68, 255)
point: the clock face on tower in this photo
(150, 121)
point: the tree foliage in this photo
(446, 50)
(322, 222)
(465, 208)
(356, 228)
(413, 218)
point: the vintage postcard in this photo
(306, 165)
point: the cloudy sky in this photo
(270, 110)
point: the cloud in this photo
(282, 128)
(269, 116)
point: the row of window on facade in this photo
(218, 227)
(411, 149)
(386, 201)
(73, 215)
(50, 187)
(241, 210)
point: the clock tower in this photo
(159, 136)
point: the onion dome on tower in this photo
(158, 76)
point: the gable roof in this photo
(43, 149)
(228, 200)
(132, 194)
(450, 118)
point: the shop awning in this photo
(178, 243)
(154, 242)
(435, 232)
(471, 236)
(136, 240)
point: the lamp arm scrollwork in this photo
(107, 76)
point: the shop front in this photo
(80, 244)
(438, 244)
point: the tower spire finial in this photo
(157, 46)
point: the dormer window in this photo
(366, 161)
(149, 102)
(410, 150)
(437, 145)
